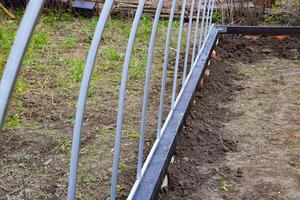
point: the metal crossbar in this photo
(196, 31)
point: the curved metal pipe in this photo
(166, 62)
(196, 32)
(146, 88)
(17, 53)
(207, 18)
(83, 96)
(187, 48)
(211, 14)
(202, 25)
(121, 104)
(177, 56)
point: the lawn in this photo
(35, 146)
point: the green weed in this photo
(111, 54)
(39, 41)
(78, 72)
(144, 30)
(77, 66)
(57, 20)
(13, 121)
(93, 23)
(63, 143)
(124, 167)
(21, 87)
(217, 17)
(91, 26)
(137, 69)
(224, 185)
(125, 31)
(70, 41)
(135, 135)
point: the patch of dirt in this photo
(252, 50)
(202, 146)
(241, 137)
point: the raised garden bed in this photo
(241, 137)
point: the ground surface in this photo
(35, 145)
(241, 139)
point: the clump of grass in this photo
(224, 185)
(124, 167)
(77, 66)
(91, 26)
(13, 121)
(119, 25)
(135, 135)
(144, 30)
(70, 41)
(21, 87)
(57, 20)
(111, 54)
(122, 192)
(137, 69)
(78, 72)
(63, 143)
(39, 41)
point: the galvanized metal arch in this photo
(187, 48)
(178, 56)
(121, 104)
(17, 53)
(166, 59)
(146, 88)
(196, 31)
(90, 62)
(207, 17)
(202, 25)
(147, 81)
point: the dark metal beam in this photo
(260, 30)
(154, 174)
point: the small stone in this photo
(202, 82)
(172, 160)
(207, 72)
(186, 159)
(266, 51)
(250, 49)
(165, 182)
(294, 53)
(47, 162)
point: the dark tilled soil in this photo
(213, 159)
(236, 48)
(202, 148)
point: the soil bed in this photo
(241, 139)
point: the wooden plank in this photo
(7, 12)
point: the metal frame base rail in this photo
(153, 176)
(260, 30)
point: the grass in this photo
(13, 121)
(224, 185)
(46, 93)
(70, 42)
(63, 143)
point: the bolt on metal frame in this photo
(23, 37)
